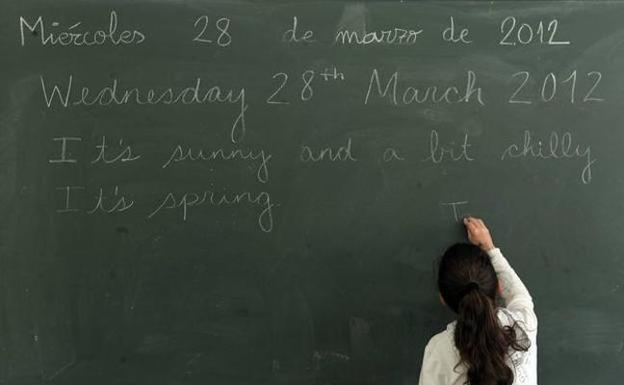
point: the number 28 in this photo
(222, 26)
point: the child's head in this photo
(465, 270)
(468, 285)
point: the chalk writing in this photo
(426, 94)
(63, 156)
(188, 200)
(526, 34)
(452, 152)
(222, 26)
(548, 89)
(67, 206)
(181, 154)
(291, 36)
(121, 204)
(66, 95)
(125, 155)
(449, 34)
(559, 146)
(76, 36)
(271, 99)
(455, 206)
(307, 77)
(393, 36)
(391, 154)
(332, 74)
(341, 154)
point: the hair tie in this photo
(472, 285)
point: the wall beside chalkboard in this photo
(234, 192)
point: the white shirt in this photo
(441, 357)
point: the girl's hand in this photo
(478, 234)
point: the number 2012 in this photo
(524, 34)
(548, 88)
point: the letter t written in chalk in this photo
(456, 207)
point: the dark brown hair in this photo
(468, 284)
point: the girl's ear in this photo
(499, 287)
(441, 299)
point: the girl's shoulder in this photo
(441, 348)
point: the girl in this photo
(486, 345)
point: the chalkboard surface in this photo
(225, 192)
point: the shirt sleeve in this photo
(515, 294)
(432, 371)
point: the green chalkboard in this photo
(231, 192)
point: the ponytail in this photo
(468, 284)
(481, 342)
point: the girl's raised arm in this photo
(514, 293)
